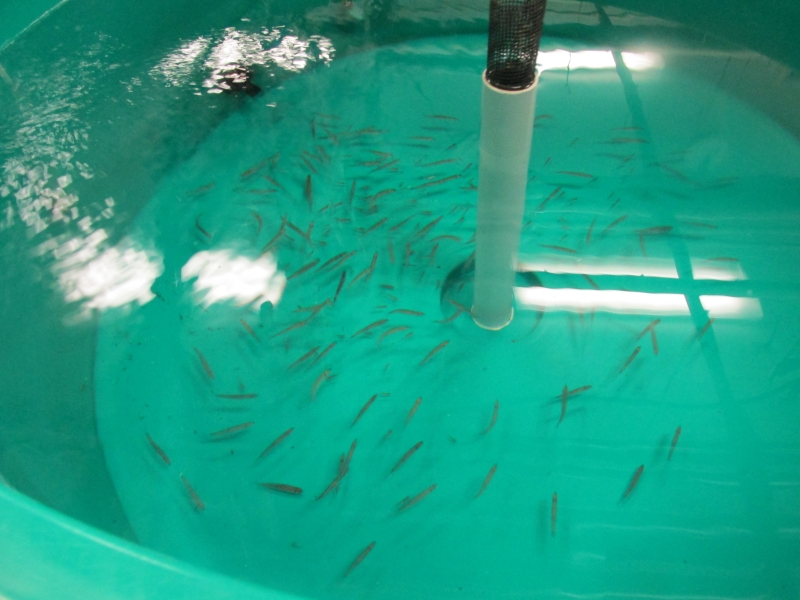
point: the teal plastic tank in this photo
(235, 281)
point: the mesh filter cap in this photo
(515, 30)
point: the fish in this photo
(249, 329)
(705, 329)
(323, 353)
(319, 381)
(654, 339)
(406, 260)
(433, 253)
(261, 192)
(634, 480)
(384, 166)
(303, 269)
(630, 358)
(364, 409)
(202, 189)
(200, 228)
(413, 410)
(577, 174)
(283, 488)
(163, 454)
(205, 364)
(390, 248)
(276, 442)
(237, 396)
(442, 117)
(389, 332)
(254, 169)
(550, 197)
(559, 248)
(352, 191)
(273, 182)
(405, 311)
(446, 237)
(441, 162)
(311, 167)
(369, 327)
(700, 224)
(313, 129)
(553, 514)
(424, 231)
(494, 417)
(614, 224)
(375, 226)
(437, 182)
(672, 446)
(340, 286)
(487, 481)
(434, 351)
(293, 327)
(359, 559)
(406, 456)
(315, 308)
(232, 430)
(303, 358)
(545, 116)
(260, 222)
(366, 273)
(564, 396)
(338, 260)
(580, 390)
(627, 140)
(275, 239)
(407, 502)
(332, 260)
(199, 505)
(309, 192)
(652, 324)
(659, 230)
(591, 281)
(303, 234)
(589, 233)
(399, 225)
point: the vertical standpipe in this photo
(508, 103)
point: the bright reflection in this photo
(644, 303)
(115, 277)
(177, 68)
(596, 59)
(631, 266)
(224, 275)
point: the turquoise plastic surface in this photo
(154, 134)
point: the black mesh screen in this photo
(515, 29)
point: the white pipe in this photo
(506, 134)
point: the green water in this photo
(139, 234)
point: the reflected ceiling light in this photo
(596, 59)
(224, 275)
(630, 266)
(622, 302)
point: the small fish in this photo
(199, 506)
(424, 138)
(652, 324)
(442, 117)
(564, 396)
(441, 162)
(559, 248)
(654, 339)
(320, 380)
(303, 358)
(407, 502)
(424, 231)
(660, 230)
(433, 253)
(407, 258)
(352, 191)
(437, 182)
(375, 226)
(309, 192)
(672, 446)
(237, 396)
(494, 417)
(434, 351)
(273, 182)
(545, 116)
(446, 237)
(634, 480)
(293, 327)
(614, 224)
(331, 261)
(232, 430)
(406, 456)
(340, 286)
(580, 390)
(550, 197)
(200, 228)
(249, 329)
(390, 248)
(413, 410)
(591, 281)
(405, 311)
(205, 364)
(364, 409)
(323, 353)
(202, 189)
(310, 166)
(369, 327)
(700, 224)
(577, 174)
(487, 481)
(275, 239)
(164, 456)
(303, 269)
(553, 514)
(283, 488)
(313, 128)
(260, 222)
(704, 329)
(630, 358)
(386, 165)
(276, 442)
(389, 332)
(359, 559)
(627, 140)
(303, 234)
(589, 233)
